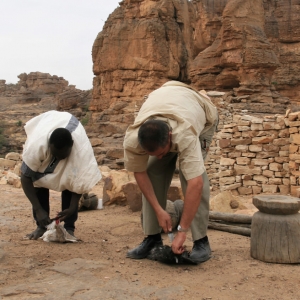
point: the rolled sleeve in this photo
(135, 158)
(134, 161)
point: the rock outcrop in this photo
(34, 94)
(250, 47)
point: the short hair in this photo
(153, 134)
(61, 138)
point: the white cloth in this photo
(77, 173)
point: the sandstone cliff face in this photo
(142, 45)
(249, 46)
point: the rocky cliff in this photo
(35, 93)
(248, 47)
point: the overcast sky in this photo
(51, 36)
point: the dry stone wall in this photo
(256, 154)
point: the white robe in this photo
(77, 173)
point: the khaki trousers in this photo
(160, 172)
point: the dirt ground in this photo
(97, 267)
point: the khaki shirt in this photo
(179, 107)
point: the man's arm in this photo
(191, 203)
(28, 188)
(146, 187)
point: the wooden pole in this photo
(230, 228)
(228, 217)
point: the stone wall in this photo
(256, 154)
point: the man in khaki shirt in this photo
(175, 122)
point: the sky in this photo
(51, 36)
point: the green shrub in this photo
(84, 121)
(3, 140)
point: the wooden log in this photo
(231, 224)
(229, 228)
(234, 218)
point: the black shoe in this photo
(142, 250)
(201, 251)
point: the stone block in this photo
(249, 154)
(284, 189)
(255, 148)
(256, 127)
(295, 139)
(281, 142)
(238, 134)
(7, 163)
(293, 130)
(242, 148)
(269, 188)
(293, 116)
(275, 167)
(284, 133)
(268, 125)
(286, 181)
(226, 161)
(13, 156)
(224, 143)
(294, 124)
(225, 173)
(256, 190)
(262, 140)
(294, 190)
(224, 135)
(227, 180)
(276, 180)
(268, 173)
(234, 154)
(281, 160)
(249, 182)
(246, 177)
(245, 190)
(250, 170)
(260, 179)
(244, 128)
(293, 149)
(242, 160)
(260, 162)
(230, 187)
(270, 148)
(265, 154)
(245, 141)
(133, 195)
(243, 123)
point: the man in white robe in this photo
(57, 156)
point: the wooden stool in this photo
(275, 229)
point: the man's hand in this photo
(177, 244)
(42, 217)
(164, 221)
(65, 214)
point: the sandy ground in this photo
(97, 267)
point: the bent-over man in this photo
(57, 156)
(175, 123)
